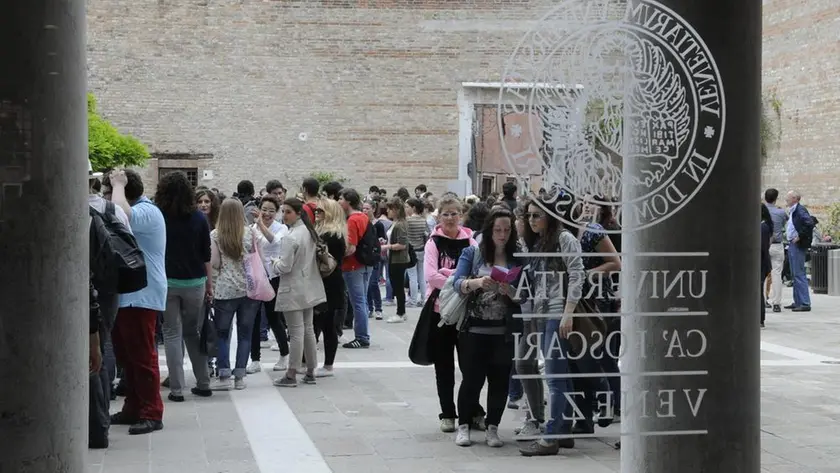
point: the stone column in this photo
(722, 219)
(43, 237)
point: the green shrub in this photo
(324, 177)
(831, 225)
(107, 147)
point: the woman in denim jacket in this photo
(486, 337)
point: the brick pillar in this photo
(43, 237)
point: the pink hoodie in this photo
(435, 276)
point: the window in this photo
(192, 174)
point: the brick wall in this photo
(372, 83)
(801, 61)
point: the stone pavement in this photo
(379, 414)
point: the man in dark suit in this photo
(799, 231)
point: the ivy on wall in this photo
(770, 124)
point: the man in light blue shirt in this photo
(777, 249)
(134, 330)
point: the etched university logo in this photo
(625, 104)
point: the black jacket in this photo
(804, 225)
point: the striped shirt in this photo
(418, 232)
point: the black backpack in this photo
(116, 261)
(368, 249)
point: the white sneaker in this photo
(323, 373)
(275, 347)
(396, 319)
(491, 437)
(529, 429)
(282, 364)
(253, 367)
(221, 384)
(239, 384)
(447, 425)
(378, 315)
(462, 438)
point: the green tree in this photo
(107, 147)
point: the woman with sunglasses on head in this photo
(269, 234)
(301, 289)
(441, 256)
(331, 225)
(546, 234)
(487, 334)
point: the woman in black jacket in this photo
(766, 234)
(331, 226)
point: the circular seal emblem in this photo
(612, 102)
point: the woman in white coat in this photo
(300, 290)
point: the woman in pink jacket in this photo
(440, 258)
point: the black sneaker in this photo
(802, 308)
(583, 427)
(777, 308)
(201, 392)
(165, 382)
(792, 306)
(175, 398)
(356, 344)
(606, 421)
(145, 426)
(121, 419)
(766, 305)
(119, 389)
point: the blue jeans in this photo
(246, 311)
(555, 364)
(801, 296)
(263, 324)
(357, 288)
(515, 389)
(374, 297)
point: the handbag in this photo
(588, 327)
(420, 349)
(453, 305)
(326, 262)
(208, 339)
(257, 285)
